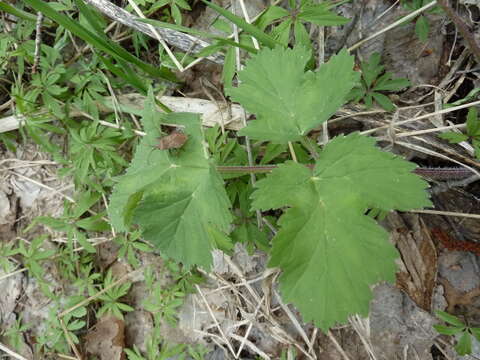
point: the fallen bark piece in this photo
(231, 117)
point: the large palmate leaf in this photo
(177, 198)
(329, 250)
(287, 101)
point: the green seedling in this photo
(462, 332)
(422, 25)
(374, 82)
(111, 299)
(472, 133)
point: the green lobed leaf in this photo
(476, 333)
(473, 125)
(453, 137)
(282, 31)
(229, 68)
(450, 319)
(302, 37)
(464, 344)
(321, 15)
(386, 83)
(471, 96)
(371, 69)
(177, 199)
(448, 330)
(287, 101)
(476, 147)
(329, 250)
(422, 28)
(384, 101)
(270, 15)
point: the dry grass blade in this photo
(337, 345)
(395, 24)
(429, 131)
(220, 330)
(361, 327)
(295, 323)
(250, 326)
(252, 347)
(46, 187)
(69, 340)
(12, 353)
(446, 213)
(6, 276)
(426, 116)
(158, 37)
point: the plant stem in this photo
(453, 173)
(462, 27)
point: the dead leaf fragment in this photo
(418, 271)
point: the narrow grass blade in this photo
(198, 33)
(97, 42)
(16, 12)
(242, 24)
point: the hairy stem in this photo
(454, 173)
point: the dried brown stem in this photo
(462, 27)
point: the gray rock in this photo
(398, 326)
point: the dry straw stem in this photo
(295, 322)
(426, 116)
(69, 340)
(247, 333)
(462, 27)
(67, 357)
(277, 331)
(251, 346)
(445, 213)
(160, 39)
(46, 187)
(428, 131)
(38, 42)
(446, 150)
(6, 276)
(448, 347)
(12, 353)
(211, 113)
(393, 25)
(28, 163)
(215, 321)
(337, 345)
(362, 328)
(351, 113)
